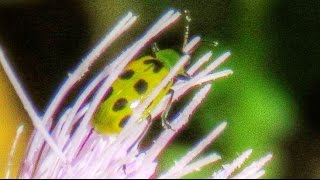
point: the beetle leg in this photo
(182, 76)
(165, 113)
(155, 49)
(149, 117)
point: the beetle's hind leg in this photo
(183, 76)
(165, 113)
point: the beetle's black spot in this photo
(108, 94)
(157, 65)
(141, 86)
(127, 74)
(120, 104)
(124, 121)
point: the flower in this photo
(70, 148)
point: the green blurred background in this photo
(270, 102)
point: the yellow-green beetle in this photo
(132, 87)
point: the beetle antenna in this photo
(187, 27)
(212, 44)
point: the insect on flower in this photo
(132, 87)
(71, 149)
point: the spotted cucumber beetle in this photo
(134, 84)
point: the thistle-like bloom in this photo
(70, 148)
